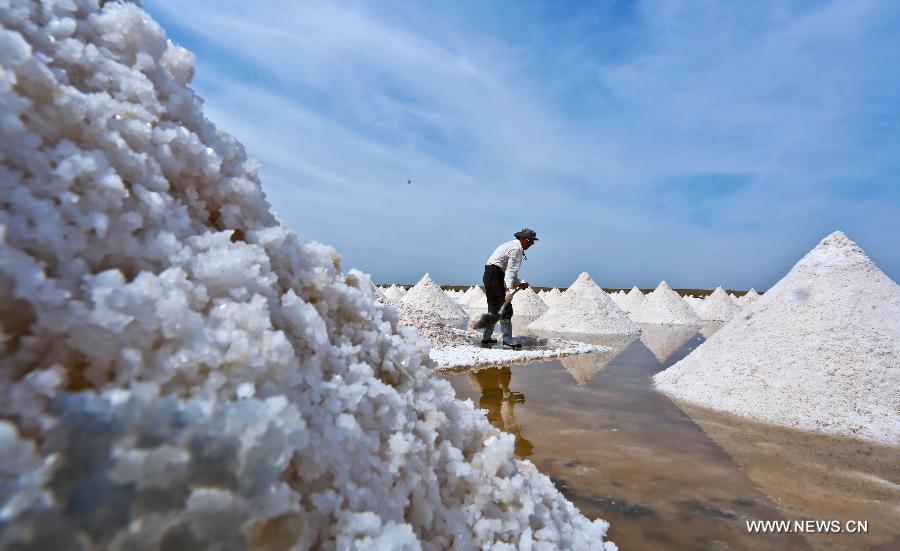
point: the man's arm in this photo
(514, 262)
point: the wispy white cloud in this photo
(502, 120)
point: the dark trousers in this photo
(496, 291)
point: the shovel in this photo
(489, 319)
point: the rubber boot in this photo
(487, 338)
(506, 329)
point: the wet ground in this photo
(668, 476)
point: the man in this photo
(501, 277)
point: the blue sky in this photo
(704, 143)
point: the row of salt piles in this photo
(819, 351)
(179, 368)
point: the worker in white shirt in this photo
(501, 277)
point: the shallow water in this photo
(668, 476)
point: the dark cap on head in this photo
(526, 233)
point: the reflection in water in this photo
(623, 452)
(815, 476)
(710, 328)
(500, 403)
(663, 340)
(584, 366)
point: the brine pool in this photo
(670, 476)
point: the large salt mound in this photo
(585, 308)
(632, 300)
(526, 304)
(477, 299)
(665, 307)
(718, 306)
(428, 295)
(819, 351)
(180, 370)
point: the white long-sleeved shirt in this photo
(508, 257)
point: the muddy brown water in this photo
(671, 476)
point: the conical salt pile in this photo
(665, 307)
(552, 297)
(394, 293)
(427, 295)
(819, 351)
(526, 304)
(477, 299)
(585, 308)
(470, 292)
(749, 297)
(179, 370)
(378, 293)
(632, 300)
(718, 306)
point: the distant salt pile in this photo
(378, 293)
(179, 369)
(427, 295)
(585, 308)
(394, 293)
(819, 351)
(477, 299)
(717, 307)
(632, 300)
(526, 304)
(470, 292)
(749, 297)
(552, 297)
(665, 307)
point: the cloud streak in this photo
(618, 134)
